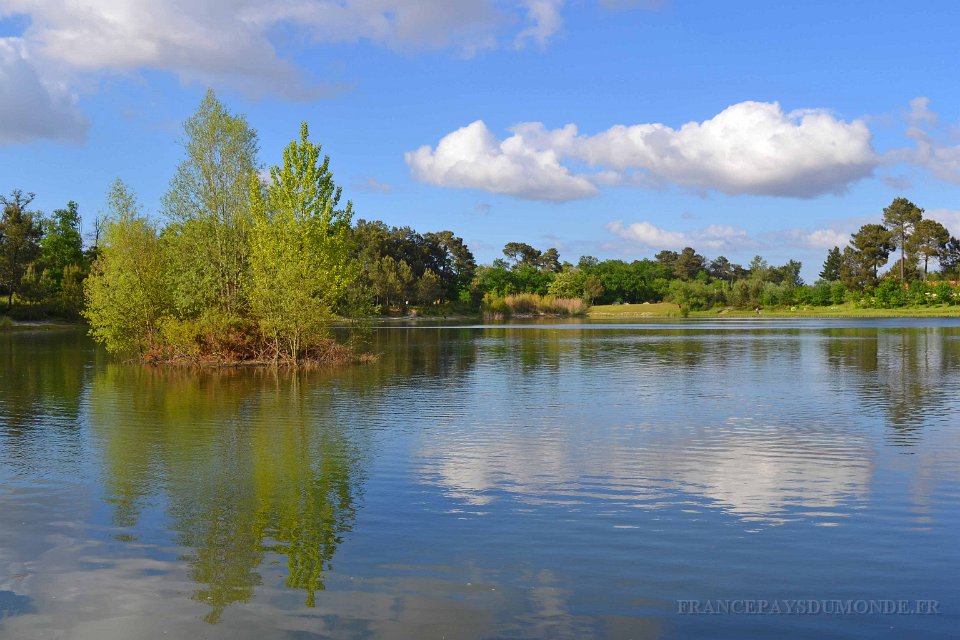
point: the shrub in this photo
(890, 294)
(944, 293)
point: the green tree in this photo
(567, 284)
(854, 273)
(299, 248)
(454, 263)
(929, 240)
(788, 274)
(522, 254)
(389, 281)
(759, 269)
(688, 264)
(550, 260)
(721, 269)
(873, 243)
(950, 259)
(208, 204)
(126, 291)
(901, 217)
(832, 265)
(592, 288)
(20, 234)
(429, 287)
(62, 244)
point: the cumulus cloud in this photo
(31, 107)
(749, 148)
(715, 236)
(473, 158)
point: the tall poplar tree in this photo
(208, 204)
(299, 248)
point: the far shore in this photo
(671, 310)
(641, 311)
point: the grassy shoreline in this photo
(653, 311)
(670, 310)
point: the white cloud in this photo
(817, 239)
(933, 144)
(231, 43)
(472, 158)
(749, 148)
(950, 218)
(31, 107)
(715, 236)
(649, 235)
(546, 21)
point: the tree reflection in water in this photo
(249, 466)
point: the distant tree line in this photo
(42, 258)
(692, 281)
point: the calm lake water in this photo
(521, 481)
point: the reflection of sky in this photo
(753, 473)
(763, 425)
(81, 585)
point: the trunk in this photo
(902, 254)
(926, 259)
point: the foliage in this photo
(20, 234)
(61, 244)
(832, 265)
(872, 244)
(299, 249)
(889, 294)
(208, 205)
(901, 217)
(400, 266)
(929, 240)
(126, 292)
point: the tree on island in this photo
(208, 207)
(299, 249)
(126, 292)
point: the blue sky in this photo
(613, 128)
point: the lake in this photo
(542, 480)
